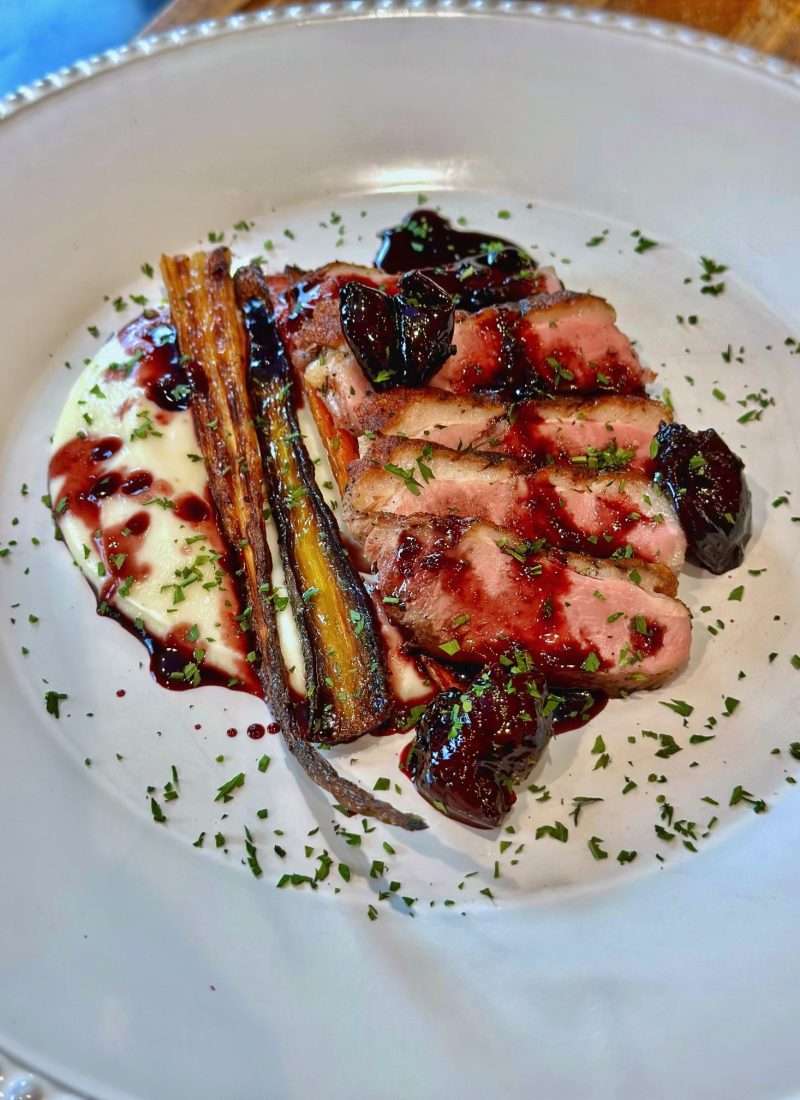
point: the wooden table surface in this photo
(769, 25)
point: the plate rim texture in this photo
(27, 95)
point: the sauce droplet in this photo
(407, 761)
(256, 731)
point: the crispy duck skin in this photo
(474, 591)
(345, 669)
(202, 302)
(603, 515)
(432, 415)
(563, 429)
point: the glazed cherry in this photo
(398, 339)
(473, 745)
(705, 481)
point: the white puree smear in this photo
(112, 404)
(184, 593)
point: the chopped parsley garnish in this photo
(679, 706)
(710, 270)
(643, 244)
(252, 855)
(669, 746)
(739, 794)
(593, 242)
(578, 804)
(52, 700)
(592, 662)
(594, 847)
(407, 476)
(225, 792)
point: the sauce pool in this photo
(425, 239)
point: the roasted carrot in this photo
(340, 444)
(210, 333)
(346, 677)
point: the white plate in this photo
(132, 964)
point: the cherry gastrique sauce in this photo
(426, 239)
(157, 365)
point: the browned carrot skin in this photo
(210, 333)
(346, 677)
(340, 444)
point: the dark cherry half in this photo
(705, 481)
(398, 339)
(473, 745)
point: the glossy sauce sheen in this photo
(512, 360)
(150, 340)
(426, 239)
(475, 269)
(466, 768)
(576, 709)
(308, 294)
(537, 614)
(531, 437)
(489, 278)
(401, 338)
(542, 515)
(540, 596)
(497, 744)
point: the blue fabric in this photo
(40, 36)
